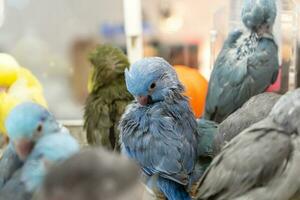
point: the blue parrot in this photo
(49, 150)
(158, 129)
(25, 124)
(247, 63)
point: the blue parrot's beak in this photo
(143, 100)
(23, 148)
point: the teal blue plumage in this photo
(207, 131)
(159, 130)
(246, 65)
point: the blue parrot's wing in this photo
(9, 163)
(166, 147)
(14, 189)
(207, 130)
(249, 160)
(234, 81)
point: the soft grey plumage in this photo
(262, 162)
(253, 111)
(93, 175)
(247, 63)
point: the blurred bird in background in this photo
(262, 162)
(93, 174)
(17, 85)
(158, 130)
(49, 150)
(108, 96)
(26, 124)
(247, 63)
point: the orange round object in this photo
(195, 85)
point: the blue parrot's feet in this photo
(193, 190)
(160, 196)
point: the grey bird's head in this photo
(286, 111)
(259, 15)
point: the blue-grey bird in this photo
(158, 129)
(48, 151)
(254, 110)
(214, 136)
(262, 162)
(247, 63)
(93, 174)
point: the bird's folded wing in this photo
(248, 160)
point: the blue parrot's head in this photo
(26, 123)
(151, 80)
(49, 150)
(259, 15)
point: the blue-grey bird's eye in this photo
(152, 86)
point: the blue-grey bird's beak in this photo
(143, 100)
(23, 148)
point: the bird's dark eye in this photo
(152, 86)
(39, 128)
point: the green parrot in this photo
(108, 96)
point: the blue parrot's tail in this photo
(172, 190)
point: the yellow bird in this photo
(17, 85)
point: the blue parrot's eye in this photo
(152, 86)
(39, 128)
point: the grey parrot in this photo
(93, 175)
(262, 162)
(247, 63)
(254, 110)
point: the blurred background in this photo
(53, 37)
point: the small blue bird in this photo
(26, 124)
(49, 150)
(33, 131)
(247, 63)
(159, 130)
